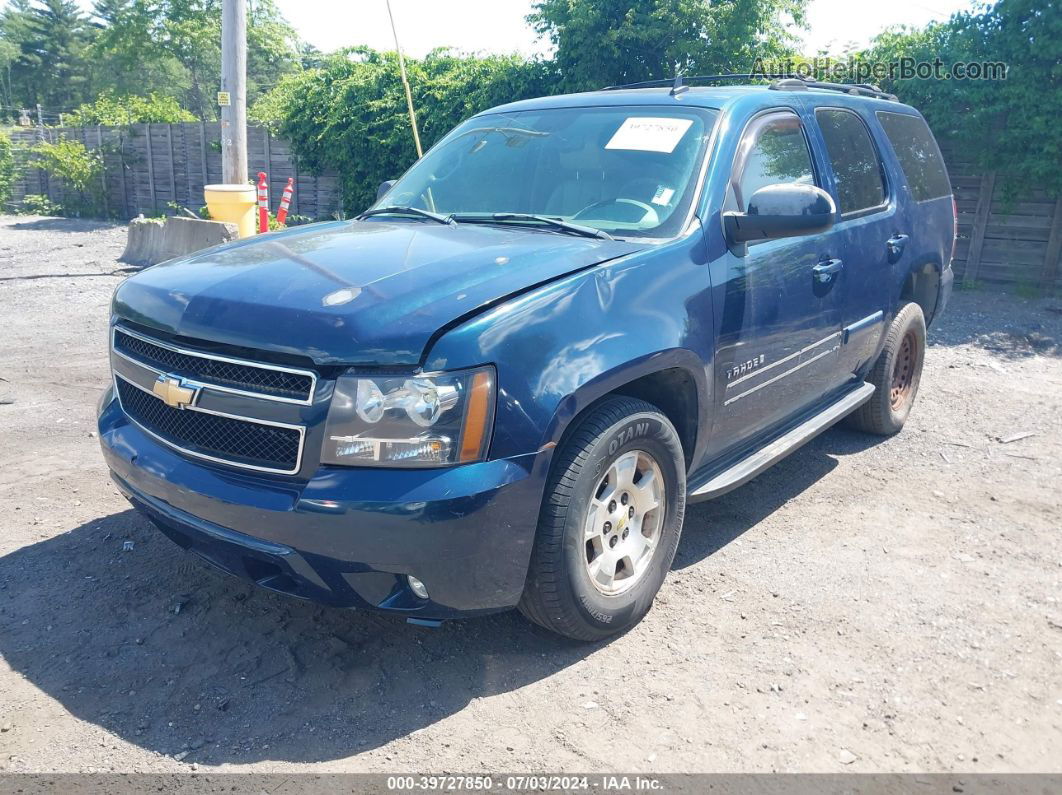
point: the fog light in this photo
(417, 587)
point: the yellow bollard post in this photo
(233, 203)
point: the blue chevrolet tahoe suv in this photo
(500, 386)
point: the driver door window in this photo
(773, 150)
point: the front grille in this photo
(241, 442)
(263, 380)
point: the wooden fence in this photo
(1014, 240)
(1002, 240)
(148, 166)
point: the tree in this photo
(603, 42)
(174, 47)
(52, 67)
(14, 31)
(129, 51)
(1007, 125)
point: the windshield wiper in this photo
(508, 132)
(554, 223)
(398, 209)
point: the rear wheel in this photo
(610, 522)
(896, 375)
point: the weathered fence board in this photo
(148, 167)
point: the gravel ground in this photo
(866, 605)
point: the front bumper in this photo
(344, 537)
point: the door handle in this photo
(827, 269)
(895, 246)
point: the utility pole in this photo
(234, 84)
(405, 83)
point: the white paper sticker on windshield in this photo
(649, 134)
(663, 195)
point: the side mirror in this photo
(785, 210)
(385, 186)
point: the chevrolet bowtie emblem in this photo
(173, 392)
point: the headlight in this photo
(410, 421)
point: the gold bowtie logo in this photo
(173, 393)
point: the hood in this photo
(351, 292)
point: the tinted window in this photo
(918, 154)
(854, 160)
(777, 153)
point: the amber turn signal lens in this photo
(477, 418)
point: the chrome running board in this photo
(748, 468)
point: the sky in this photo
(498, 25)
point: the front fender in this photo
(562, 346)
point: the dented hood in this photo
(351, 292)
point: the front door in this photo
(779, 314)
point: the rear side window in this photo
(860, 185)
(919, 156)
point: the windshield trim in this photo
(686, 228)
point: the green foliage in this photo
(350, 115)
(1007, 125)
(115, 111)
(35, 204)
(7, 168)
(53, 53)
(78, 168)
(605, 42)
(53, 38)
(174, 47)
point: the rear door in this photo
(869, 229)
(780, 328)
(927, 205)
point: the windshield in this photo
(628, 171)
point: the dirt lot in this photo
(866, 605)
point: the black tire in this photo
(900, 360)
(559, 594)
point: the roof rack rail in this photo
(855, 89)
(782, 82)
(679, 81)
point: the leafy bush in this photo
(114, 111)
(35, 204)
(7, 168)
(1008, 125)
(350, 114)
(78, 168)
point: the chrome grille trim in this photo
(216, 357)
(300, 429)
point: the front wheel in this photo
(610, 522)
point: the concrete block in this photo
(152, 240)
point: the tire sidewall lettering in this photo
(634, 430)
